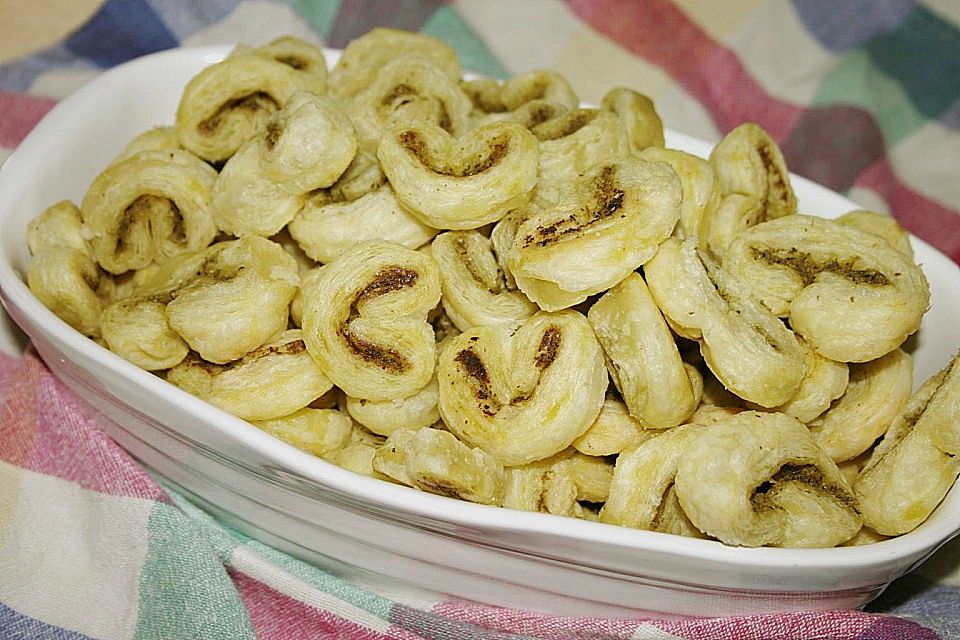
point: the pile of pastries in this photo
(483, 290)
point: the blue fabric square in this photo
(121, 30)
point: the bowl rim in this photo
(35, 318)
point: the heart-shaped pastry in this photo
(365, 320)
(464, 183)
(849, 293)
(527, 394)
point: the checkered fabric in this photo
(863, 96)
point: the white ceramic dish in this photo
(367, 528)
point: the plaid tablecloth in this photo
(863, 96)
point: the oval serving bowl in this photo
(379, 532)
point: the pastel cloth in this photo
(863, 97)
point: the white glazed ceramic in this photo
(378, 531)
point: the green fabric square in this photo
(359, 597)
(447, 25)
(923, 56)
(319, 13)
(185, 592)
(856, 81)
